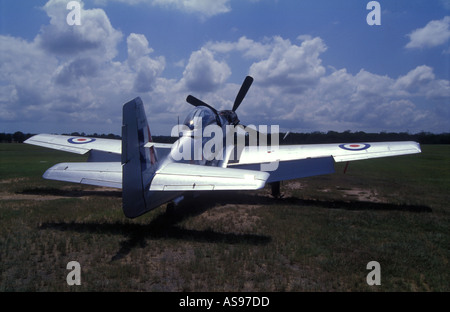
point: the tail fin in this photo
(139, 162)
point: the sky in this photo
(317, 65)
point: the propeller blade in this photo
(196, 102)
(242, 92)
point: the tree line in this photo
(19, 137)
(290, 138)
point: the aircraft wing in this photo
(73, 144)
(82, 145)
(299, 161)
(339, 152)
(107, 174)
(186, 177)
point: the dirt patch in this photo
(9, 196)
(363, 195)
(239, 218)
(10, 181)
(44, 194)
(294, 185)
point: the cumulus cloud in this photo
(72, 78)
(205, 8)
(147, 69)
(367, 101)
(416, 78)
(24, 74)
(95, 35)
(278, 61)
(435, 33)
(248, 47)
(74, 70)
(203, 73)
(290, 66)
(422, 80)
(292, 88)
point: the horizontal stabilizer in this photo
(186, 177)
(107, 174)
(158, 145)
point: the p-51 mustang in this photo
(151, 174)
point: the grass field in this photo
(319, 237)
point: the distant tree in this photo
(18, 137)
(292, 138)
(5, 137)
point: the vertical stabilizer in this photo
(139, 162)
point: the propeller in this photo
(242, 92)
(196, 102)
(230, 115)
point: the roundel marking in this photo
(80, 140)
(354, 147)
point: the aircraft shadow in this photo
(164, 226)
(356, 205)
(211, 199)
(243, 198)
(69, 193)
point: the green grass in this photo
(319, 237)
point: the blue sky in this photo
(317, 65)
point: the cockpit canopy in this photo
(207, 117)
(203, 114)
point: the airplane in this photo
(151, 174)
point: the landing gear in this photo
(172, 207)
(275, 186)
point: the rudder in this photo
(139, 163)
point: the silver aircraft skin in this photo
(151, 174)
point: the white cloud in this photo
(416, 78)
(80, 85)
(205, 8)
(435, 33)
(422, 81)
(365, 101)
(293, 89)
(291, 67)
(147, 69)
(203, 73)
(249, 48)
(95, 35)
(138, 46)
(279, 62)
